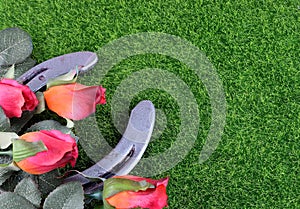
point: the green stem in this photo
(10, 153)
(95, 195)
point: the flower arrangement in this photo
(31, 155)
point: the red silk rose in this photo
(15, 98)
(152, 198)
(61, 150)
(74, 101)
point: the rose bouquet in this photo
(33, 150)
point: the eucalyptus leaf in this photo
(27, 188)
(48, 182)
(51, 125)
(5, 173)
(18, 123)
(3, 70)
(15, 46)
(21, 68)
(2, 191)
(11, 183)
(4, 121)
(66, 196)
(9, 200)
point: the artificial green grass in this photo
(254, 46)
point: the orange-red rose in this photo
(152, 198)
(15, 98)
(62, 149)
(74, 101)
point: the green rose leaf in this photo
(28, 189)
(67, 78)
(23, 149)
(4, 121)
(15, 46)
(9, 200)
(68, 195)
(42, 105)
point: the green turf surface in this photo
(254, 46)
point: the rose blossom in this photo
(15, 98)
(74, 101)
(61, 150)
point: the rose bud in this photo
(134, 192)
(74, 101)
(15, 98)
(61, 149)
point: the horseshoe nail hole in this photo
(42, 78)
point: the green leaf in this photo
(24, 66)
(41, 106)
(9, 200)
(4, 121)
(51, 125)
(18, 123)
(5, 159)
(70, 123)
(90, 178)
(11, 183)
(3, 70)
(5, 173)
(67, 78)
(20, 69)
(96, 195)
(99, 207)
(11, 166)
(15, 46)
(28, 189)
(49, 181)
(23, 149)
(10, 72)
(66, 196)
(6, 139)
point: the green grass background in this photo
(254, 46)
